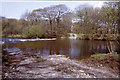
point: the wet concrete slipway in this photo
(31, 64)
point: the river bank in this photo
(111, 37)
(31, 65)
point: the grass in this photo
(99, 56)
(115, 53)
(104, 55)
(18, 36)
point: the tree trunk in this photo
(51, 26)
(108, 46)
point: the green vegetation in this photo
(35, 32)
(58, 21)
(115, 53)
(101, 56)
(53, 21)
(98, 36)
(100, 23)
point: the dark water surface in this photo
(77, 49)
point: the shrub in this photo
(35, 32)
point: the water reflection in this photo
(74, 48)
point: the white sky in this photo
(15, 9)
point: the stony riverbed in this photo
(56, 66)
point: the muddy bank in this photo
(32, 65)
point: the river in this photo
(77, 49)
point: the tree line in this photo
(58, 20)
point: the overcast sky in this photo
(16, 9)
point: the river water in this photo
(77, 49)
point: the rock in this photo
(12, 53)
(6, 74)
(55, 66)
(27, 61)
(21, 69)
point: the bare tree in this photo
(52, 14)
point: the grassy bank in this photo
(101, 56)
(14, 36)
(98, 36)
(101, 60)
(79, 36)
(104, 60)
(42, 36)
